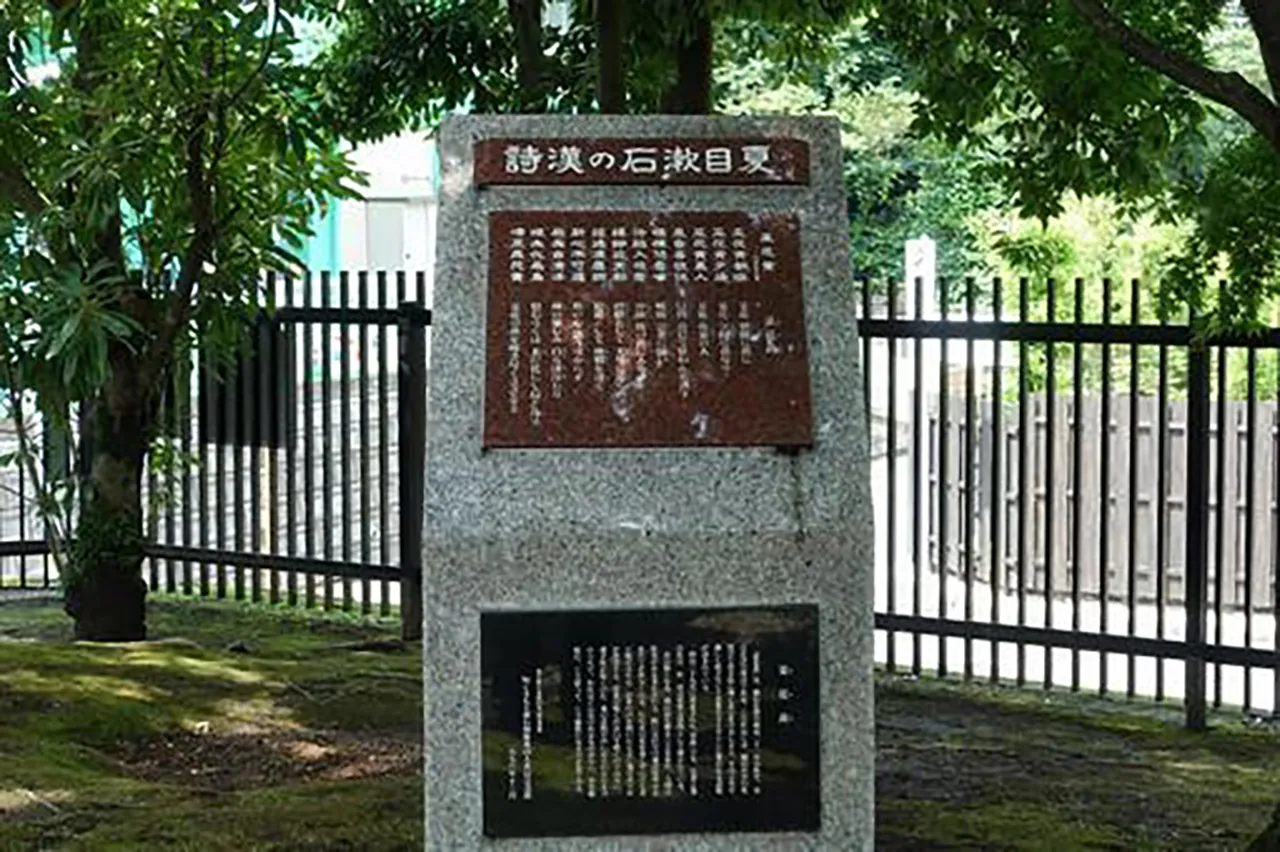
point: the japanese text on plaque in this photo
(633, 329)
(677, 161)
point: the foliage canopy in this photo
(1125, 99)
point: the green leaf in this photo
(119, 325)
(254, 23)
(298, 143)
(68, 330)
(70, 365)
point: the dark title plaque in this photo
(650, 721)
(635, 329)
(642, 161)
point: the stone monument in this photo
(648, 567)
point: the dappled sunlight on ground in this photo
(251, 715)
(15, 801)
(185, 663)
(80, 687)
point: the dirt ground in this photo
(249, 761)
(251, 729)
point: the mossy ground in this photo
(982, 767)
(238, 728)
(260, 728)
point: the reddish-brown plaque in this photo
(556, 162)
(635, 329)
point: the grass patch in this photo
(383, 813)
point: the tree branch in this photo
(93, 28)
(1265, 17)
(15, 186)
(1227, 88)
(262, 63)
(178, 308)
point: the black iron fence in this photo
(306, 487)
(1079, 496)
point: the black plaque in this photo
(650, 721)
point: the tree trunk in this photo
(611, 85)
(691, 93)
(104, 592)
(526, 22)
(1265, 18)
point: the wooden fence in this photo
(1144, 515)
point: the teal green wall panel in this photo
(323, 250)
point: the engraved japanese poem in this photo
(644, 329)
